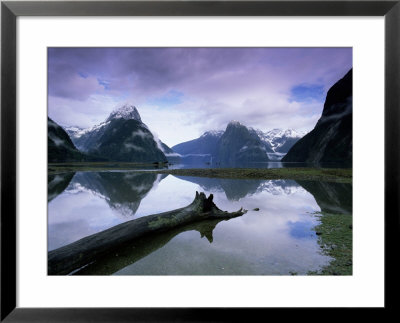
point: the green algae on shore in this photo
(335, 236)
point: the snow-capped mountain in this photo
(125, 111)
(274, 143)
(240, 145)
(121, 137)
(280, 140)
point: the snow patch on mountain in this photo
(125, 111)
(276, 138)
(76, 132)
(214, 133)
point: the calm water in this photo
(276, 240)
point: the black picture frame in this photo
(10, 10)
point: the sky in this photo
(182, 92)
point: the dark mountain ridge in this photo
(60, 147)
(206, 144)
(331, 140)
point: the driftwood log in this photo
(71, 257)
(142, 247)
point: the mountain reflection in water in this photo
(57, 183)
(121, 190)
(278, 239)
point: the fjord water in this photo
(278, 239)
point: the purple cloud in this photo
(253, 85)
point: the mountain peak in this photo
(125, 111)
(234, 122)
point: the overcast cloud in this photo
(182, 92)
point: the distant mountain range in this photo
(206, 144)
(238, 144)
(331, 140)
(124, 137)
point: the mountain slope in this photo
(84, 139)
(127, 140)
(60, 146)
(331, 140)
(206, 144)
(287, 145)
(240, 144)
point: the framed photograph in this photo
(167, 160)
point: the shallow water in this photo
(276, 240)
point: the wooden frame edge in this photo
(11, 10)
